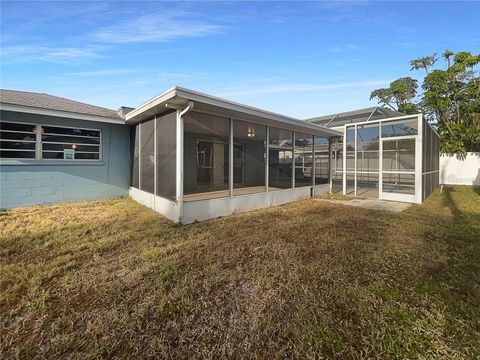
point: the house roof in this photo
(53, 105)
(179, 97)
(355, 116)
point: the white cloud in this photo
(302, 87)
(344, 48)
(109, 72)
(20, 53)
(156, 27)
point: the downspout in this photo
(180, 156)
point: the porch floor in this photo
(225, 193)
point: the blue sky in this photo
(301, 59)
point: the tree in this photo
(450, 99)
(399, 95)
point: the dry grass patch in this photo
(311, 279)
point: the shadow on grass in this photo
(449, 276)
(476, 189)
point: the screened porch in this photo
(224, 157)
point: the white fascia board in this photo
(231, 105)
(165, 96)
(59, 113)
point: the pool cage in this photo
(383, 154)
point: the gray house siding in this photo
(53, 181)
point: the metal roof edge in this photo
(192, 95)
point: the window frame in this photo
(35, 151)
(39, 148)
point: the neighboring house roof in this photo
(355, 116)
(178, 97)
(46, 104)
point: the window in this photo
(36, 142)
(70, 143)
(17, 141)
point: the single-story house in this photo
(192, 156)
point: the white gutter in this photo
(180, 156)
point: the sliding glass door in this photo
(212, 172)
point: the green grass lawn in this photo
(306, 280)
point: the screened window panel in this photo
(337, 163)
(206, 156)
(166, 155)
(303, 160)
(351, 161)
(249, 153)
(398, 183)
(368, 160)
(367, 184)
(147, 153)
(350, 189)
(368, 148)
(426, 147)
(350, 138)
(280, 159)
(134, 155)
(431, 154)
(400, 128)
(399, 155)
(321, 150)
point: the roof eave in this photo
(176, 93)
(59, 113)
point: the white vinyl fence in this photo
(458, 171)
